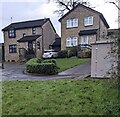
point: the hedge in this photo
(47, 67)
(50, 61)
(62, 54)
(34, 60)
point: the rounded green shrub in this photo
(34, 60)
(50, 61)
(62, 54)
(47, 67)
(72, 51)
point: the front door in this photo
(22, 53)
(30, 47)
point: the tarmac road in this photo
(15, 71)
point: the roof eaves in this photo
(100, 14)
(14, 24)
(51, 24)
(104, 20)
(68, 13)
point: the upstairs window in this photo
(13, 48)
(33, 30)
(88, 21)
(11, 33)
(71, 23)
(71, 41)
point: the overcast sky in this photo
(37, 9)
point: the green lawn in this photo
(59, 97)
(67, 63)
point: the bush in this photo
(47, 67)
(34, 60)
(62, 54)
(72, 51)
(83, 54)
(50, 61)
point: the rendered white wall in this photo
(102, 60)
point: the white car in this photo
(50, 54)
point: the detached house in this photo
(24, 40)
(82, 26)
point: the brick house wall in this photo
(48, 35)
(9, 41)
(46, 31)
(80, 13)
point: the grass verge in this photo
(67, 63)
(60, 97)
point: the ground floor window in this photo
(71, 41)
(13, 48)
(84, 41)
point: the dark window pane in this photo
(12, 48)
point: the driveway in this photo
(14, 71)
(78, 70)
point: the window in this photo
(38, 45)
(72, 23)
(13, 48)
(84, 41)
(72, 41)
(11, 33)
(33, 30)
(88, 21)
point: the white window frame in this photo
(71, 41)
(84, 41)
(33, 31)
(88, 21)
(13, 48)
(72, 23)
(11, 33)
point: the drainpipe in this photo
(2, 61)
(42, 42)
(99, 29)
(96, 61)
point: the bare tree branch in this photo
(67, 5)
(63, 4)
(115, 5)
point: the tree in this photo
(115, 2)
(118, 52)
(67, 5)
(118, 41)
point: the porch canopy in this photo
(88, 32)
(28, 38)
